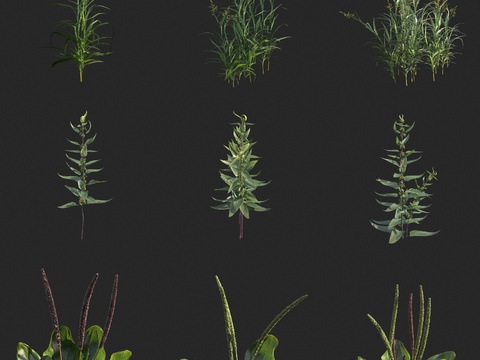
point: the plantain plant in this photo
(395, 349)
(82, 42)
(247, 35)
(263, 348)
(409, 36)
(407, 207)
(82, 170)
(91, 341)
(240, 182)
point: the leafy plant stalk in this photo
(82, 170)
(407, 205)
(247, 34)
(91, 341)
(82, 42)
(395, 349)
(240, 182)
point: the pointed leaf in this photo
(91, 200)
(413, 233)
(68, 205)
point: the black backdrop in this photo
(323, 116)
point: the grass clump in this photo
(407, 207)
(247, 35)
(409, 36)
(395, 349)
(82, 42)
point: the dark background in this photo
(323, 116)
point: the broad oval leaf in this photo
(266, 351)
(25, 352)
(121, 355)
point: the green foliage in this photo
(246, 35)
(396, 350)
(70, 351)
(90, 342)
(407, 206)
(264, 347)
(410, 35)
(82, 42)
(81, 168)
(240, 182)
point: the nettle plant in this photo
(409, 36)
(91, 341)
(82, 42)
(263, 348)
(406, 201)
(247, 35)
(395, 349)
(81, 169)
(240, 182)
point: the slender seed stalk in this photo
(84, 312)
(111, 311)
(274, 322)
(229, 327)
(410, 325)
(53, 311)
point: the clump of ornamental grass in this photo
(405, 202)
(241, 183)
(247, 36)
(263, 348)
(91, 341)
(82, 42)
(395, 349)
(409, 36)
(81, 169)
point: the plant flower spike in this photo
(91, 341)
(396, 350)
(82, 43)
(407, 204)
(81, 173)
(246, 35)
(409, 36)
(240, 184)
